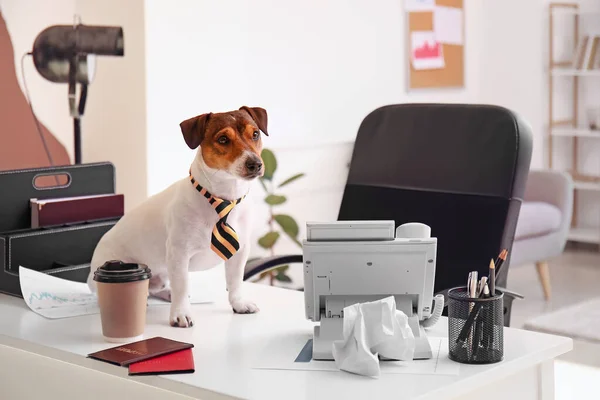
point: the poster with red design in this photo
(426, 51)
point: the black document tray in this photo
(63, 251)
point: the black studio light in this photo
(66, 54)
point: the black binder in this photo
(63, 251)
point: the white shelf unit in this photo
(574, 72)
(591, 186)
(575, 132)
(571, 128)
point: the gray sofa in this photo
(544, 220)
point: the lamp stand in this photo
(76, 109)
(77, 139)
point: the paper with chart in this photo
(54, 297)
(287, 354)
(426, 51)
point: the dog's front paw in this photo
(181, 318)
(244, 307)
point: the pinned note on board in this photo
(447, 25)
(426, 51)
(419, 5)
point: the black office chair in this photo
(461, 169)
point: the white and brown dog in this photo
(199, 221)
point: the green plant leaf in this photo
(281, 269)
(270, 163)
(264, 185)
(269, 240)
(264, 275)
(288, 224)
(282, 277)
(274, 199)
(297, 242)
(290, 180)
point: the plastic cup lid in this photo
(120, 272)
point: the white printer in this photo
(349, 262)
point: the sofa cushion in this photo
(536, 219)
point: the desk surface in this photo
(226, 344)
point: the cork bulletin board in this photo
(435, 43)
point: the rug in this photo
(580, 321)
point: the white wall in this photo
(114, 124)
(24, 20)
(318, 68)
(511, 62)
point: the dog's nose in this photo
(253, 166)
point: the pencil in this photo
(501, 260)
(492, 278)
(499, 257)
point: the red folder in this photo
(179, 362)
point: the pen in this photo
(473, 285)
(482, 283)
(486, 334)
(492, 278)
(469, 284)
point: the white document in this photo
(419, 5)
(281, 353)
(426, 51)
(373, 329)
(448, 25)
(54, 297)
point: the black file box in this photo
(62, 251)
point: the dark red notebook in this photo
(180, 362)
(59, 211)
(139, 351)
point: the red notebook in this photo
(59, 211)
(179, 362)
(142, 350)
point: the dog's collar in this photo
(209, 196)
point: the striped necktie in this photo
(224, 240)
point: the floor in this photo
(576, 277)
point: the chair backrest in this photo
(461, 169)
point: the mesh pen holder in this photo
(475, 327)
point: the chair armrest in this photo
(510, 293)
(553, 187)
(260, 265)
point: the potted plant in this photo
(278, 223)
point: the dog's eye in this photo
(223, 139)
(255, 135)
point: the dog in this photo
(182, 228)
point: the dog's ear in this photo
(193, 130)
(259, 115)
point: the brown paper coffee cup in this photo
(122, 298)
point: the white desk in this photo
(41, 355)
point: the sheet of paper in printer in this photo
(54, 297)
(290, 353)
